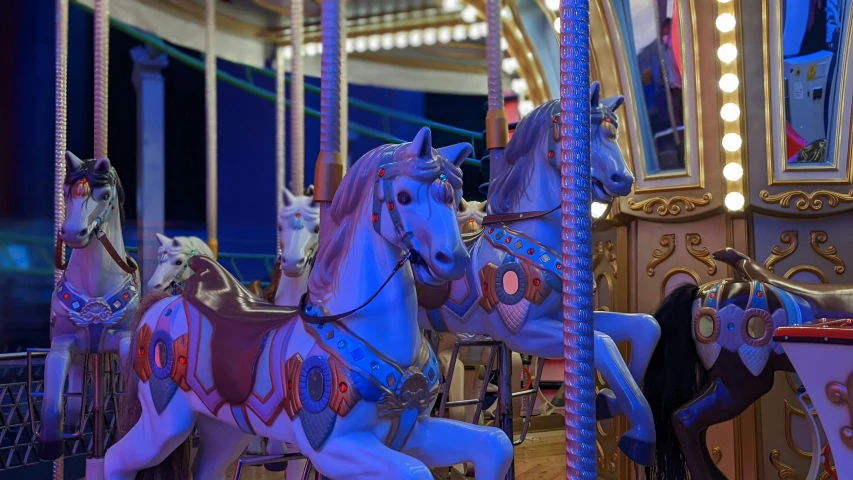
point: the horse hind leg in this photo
(50, 445)
(220, 445)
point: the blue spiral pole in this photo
(579, 373)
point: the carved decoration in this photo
(807, 268)
(777, 253)
(838, 393)
(180, 347)
(702, 254)
(783, 470)
(717, 455)
(141, 363)
(806, 201)
(604, 249)
(670, 206)
(488, 274)
(668, 243)
(819, 237)
(790, 412)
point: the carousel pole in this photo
(210, 111)
(94, 465)
(59, 152)
(497, 136)
(579, 373)
(280, 134)
(297, 99)
(329, 168)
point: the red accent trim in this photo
(833, 329)
(390, 205)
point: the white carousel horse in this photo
(218, 359)
(298, 227)
(511, 290)
(92, 302)
(173, 267)
(470, 215)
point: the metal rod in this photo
(579, 372)
(531, 392)
(102, 74)
(98, 406)
(504, 413)
(60, 122)
(280, 136)
(210, 111)
(297, 99)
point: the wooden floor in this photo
(542, 456)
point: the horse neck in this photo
(92, 270)
(290, 289)
(542, 194)
(389, 322)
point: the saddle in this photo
(830, 300)
(240, 323)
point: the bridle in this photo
(174, 282)
(404, 233)
(127, 264)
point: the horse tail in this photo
(673, 378)
(177, 464)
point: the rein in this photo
(128, 265)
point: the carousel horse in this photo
(346, 377)
(173, 268)
(470, 215)
(92, 303)
(512, 285)
(717, 355)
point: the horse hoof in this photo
(640, 452)
(606, 406)
(50, 450)
(276, 467)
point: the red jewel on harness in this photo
(555, 119)
(559, 266)
(606, 120)
(126, 296)
(182, 360)
(713, 295)
(485, 287)
(381, 172)
(508, 239)
(298, 215)
(343, 387)
(142, 350)
(530, 251)
(390, 205)
(65, 296)
(491, 230)
(536, 282)
(759, 294)
(375, 218)
(551, 154)
(289, 384)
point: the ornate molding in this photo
(777, 253)
(807, 268)
(717, 455)
(668, 243)
(604, 249)
(669, 206)
(697, 280)
(783, 470)
(805, 200)
(819, 237)
(701, 254)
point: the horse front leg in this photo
(56, 366)
(639, 329)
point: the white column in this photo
(150, 153)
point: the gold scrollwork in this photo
(819, 237)
(805, 200)
(807, 268)
(701, 254)
(784, 470)
(604, 249)
(791, 412)
(717, 455)
(668, 243)
(777, 253)
(669, 206)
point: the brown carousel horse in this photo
(717, 355)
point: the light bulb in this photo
(361, 44)
(311, 49)
(519, 85)
(729, 82)
(469, 14)
(509, 65)
(416, 38)
(460, 33)
(430, 36)
(733, 171)
(727, 53)
(525, 107)
(288, 52)
(350, 45)
(401, 39)
(374, 43)
(450, 5)
(724, 1)
(732, 142)
(387, 41)
(734, 201)
(474, 31)
(730, 112)
(598, 209)
(445, 35)
(506, 13)
(504, 43)
(553, 5)
(726, 22)
(557, 24)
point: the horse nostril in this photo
(442, 258)
(616, 179)
(159, 286)
(83, 233)
(301, 262)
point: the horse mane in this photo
(528, 143)
(194, 243)
(354, 199)
(98, 179)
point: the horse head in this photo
(94, 197)
(610, 173)
(173, 260)
(298, 230)
(470, 215)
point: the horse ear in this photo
(421, 146)
(287, 197)
(457, 153)
(483, 206)
(176, 243)
(309, 192)
(164, 240)
(103, 165)
(613, 102)
(463, 206)
(594, 93)
(72, 162)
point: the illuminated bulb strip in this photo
(729, 83)
(410, 38)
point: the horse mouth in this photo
(423, 273)
(599, 193)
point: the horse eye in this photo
(106, 196)
(317, 229)
(179, 263)
(404, 198)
